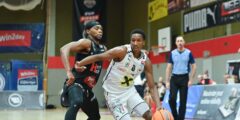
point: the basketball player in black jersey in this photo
(80, 81)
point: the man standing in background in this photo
(181, 62)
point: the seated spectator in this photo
(161, 88)
(230, 79)
(206, 80)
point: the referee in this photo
(180, 63)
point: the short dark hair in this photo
(90, 24)
(139, 31)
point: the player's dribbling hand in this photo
(71, 78)
(79, 68)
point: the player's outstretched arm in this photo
(114, 53)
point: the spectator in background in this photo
(205, 80)
(161, 88)
(139, 84)
(230, 79)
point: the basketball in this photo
(162, 115)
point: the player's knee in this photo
(76, 102)
(147, 115)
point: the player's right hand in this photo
(71, 78)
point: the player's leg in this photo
(139, 106)
(117, 107)
(75, 95)
(90, 107)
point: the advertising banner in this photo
(157, 9)
(21, 100)
(87, 10)
(22, 38)
(27, 75)
(230, 11)
(211, 102)
(219, 102)
(201, 18)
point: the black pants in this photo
(84, 99)
(178, 83)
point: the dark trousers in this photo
(84, 99)
(178, 83)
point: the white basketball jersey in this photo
(120, 75)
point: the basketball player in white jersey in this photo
(127, 62)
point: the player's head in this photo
(137, 40)
(93, 29)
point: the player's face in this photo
(137, 42)
(180, 42)
(96, 32)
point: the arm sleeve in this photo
(191, 58)
(170, 60)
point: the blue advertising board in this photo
(194, 95)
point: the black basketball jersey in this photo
(90, 75)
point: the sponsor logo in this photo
(230, 7)
(200, 19)
(2, 82)
(15, 38)
(89, 18)
(27, 79)
(15, 100)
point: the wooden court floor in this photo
(52, 114)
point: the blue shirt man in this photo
(181, 63)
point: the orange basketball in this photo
(162, 115)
